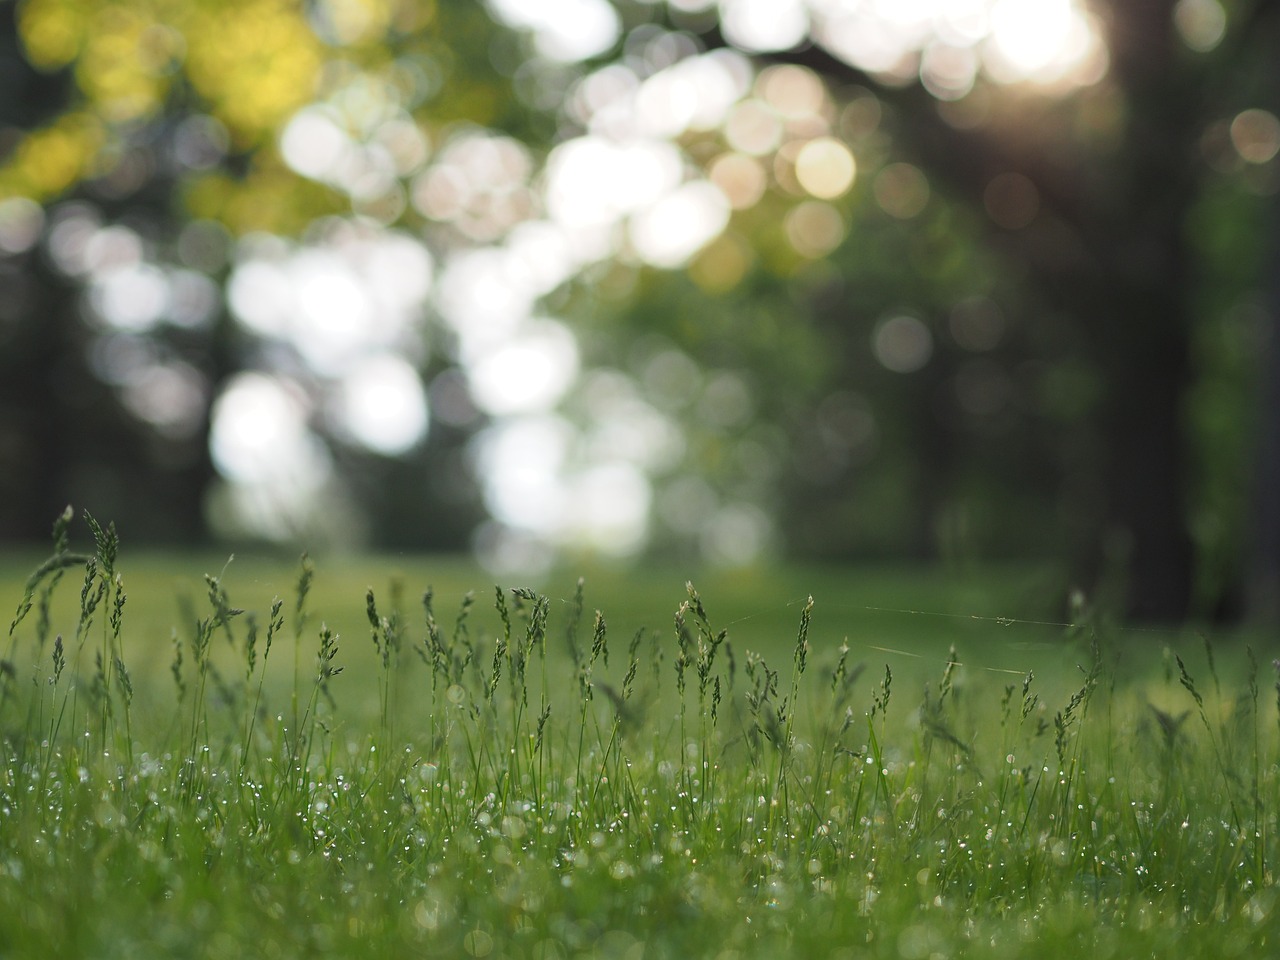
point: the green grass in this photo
(277, 763)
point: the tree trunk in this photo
(1264, 585)
(1143, 328)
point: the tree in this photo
(1112, 248)
(147, 131)
(664, 274)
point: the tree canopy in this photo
(975, 278)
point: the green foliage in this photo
(168, 120)
(493, 806)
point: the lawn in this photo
(283, 758)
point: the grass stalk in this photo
(498, 813)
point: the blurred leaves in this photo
(916, 333)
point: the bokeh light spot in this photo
(726, 402)
(795, 92)
(259, 434)
(825, 167)
(200, 142)
(528, 371)
(1045, 41)
(671, 231)
(736, 535)
(314, 143)
(753, 128)
(902, 344)
(194, 299)
(520, 461)
(591, 181)
(977, 324)
(52, 34)
(815, 228)
(21, 221)
(672, 379)
(948, 71)
(861, 115)
(846, 423)
(1201, 23)
(610, 510)
(382, 406)
(1256, 135)
(759, 25)
(169, 396)
(131, 297)
(1011, 200)
(564, 30)
(740, 178)
(72, 228)
(901, 190)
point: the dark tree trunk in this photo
(1142, 326)
(38, 374)
(1142, 335)
(1264, 585)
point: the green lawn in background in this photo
(825, 779)
(884, 612)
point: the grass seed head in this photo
(1185, 678)
(250, 644)
(802, 636)
(59, 659)
(880, 701)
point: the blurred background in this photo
(559, 280)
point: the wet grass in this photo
(270, 761)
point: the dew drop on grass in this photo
(477, 943)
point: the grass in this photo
(338, 771)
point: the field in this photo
(277, 758)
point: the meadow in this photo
(362, 758)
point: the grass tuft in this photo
(489, 796)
